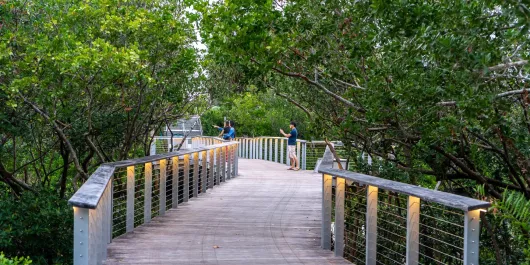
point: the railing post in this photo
(325, 232)
(251, 143)
(129, 226)
(223, 163)
(236, 163)
(276, 150)
(239, 146)
(265, 153)
(204, 172)
(186, 188)
(339, 216)
(81, 232)
(270, 149)
(287, 158)
(211, 163)
(163, 168)
(229, 162)
(304, 163)
(255, 148)
(413, 230)
(148, 191)
(371, 225)
(218, 165)
(471, 237)
(195, 175)
(175, 182)
(281, 151)
(298, 151)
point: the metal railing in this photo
(378, 221)
(272, 149)
(123, 195)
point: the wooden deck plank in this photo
(267, 215)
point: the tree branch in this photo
(296, 104)
(321, 87)
(61, 134)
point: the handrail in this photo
(108, 200)
(272, 149)
(426, 223)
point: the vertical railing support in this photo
(304, 155)
(148, 191)
(270, 149)
(204, 171)
(251, 148)
(175, 182)
(260, 148)
(229, 162)
(276, 150)
(371, 225)
(81, 232)
(298, 149)
(413, 230)
(129, 226)
(287, 158)
(211, 165)
(325, 233)
(163, 167)
(195, 175)
(281, 152)
(339, 216)
(471, 237)
(186, 188)
(223, 164)
(236, 164)
(265, 149)
(218, 166)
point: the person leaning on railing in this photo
(227, 132)
(291, 145)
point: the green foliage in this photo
(14, 261)
(39, 226)
(261, 114)
(433, 88)
(514, 209)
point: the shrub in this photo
(37, 225)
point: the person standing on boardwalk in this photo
(291, 145)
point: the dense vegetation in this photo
(255, 114)
(438, 89)
(81, 83)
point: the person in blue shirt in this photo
(232, 130)
(227, 132)
(291, 145)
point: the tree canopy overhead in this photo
(438, 89)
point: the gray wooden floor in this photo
(267, 215)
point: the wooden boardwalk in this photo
(267, 215)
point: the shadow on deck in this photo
(267, 215)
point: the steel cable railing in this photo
(123, 195)
(378, 221)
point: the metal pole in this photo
(175, 182)
(148, 191)
(339, 216)
(471, 237)
(371, 225)
(163, 167)
(186, 188)
(325, 231)
(130, 200)
(413, 230)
